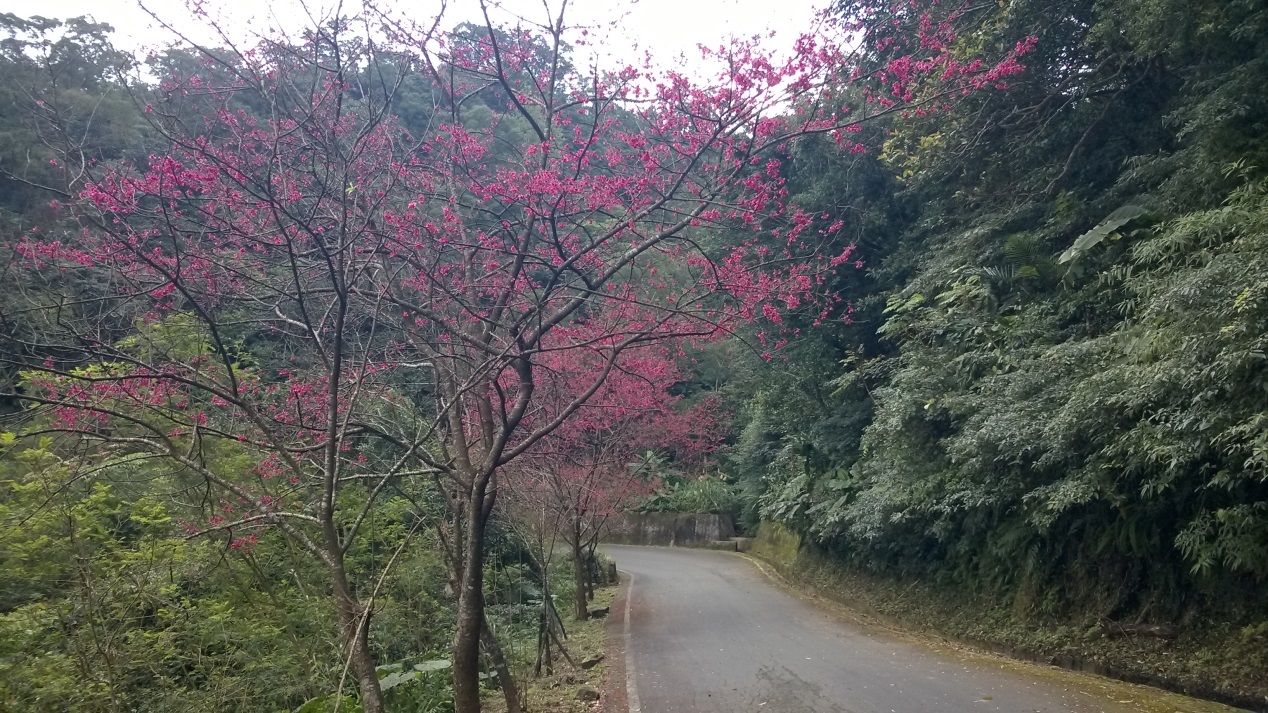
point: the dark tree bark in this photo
(580, 576)
(494, 650)
(470, 614)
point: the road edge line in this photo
(631, 686)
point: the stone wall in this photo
(668, 529)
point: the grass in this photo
(557, 693)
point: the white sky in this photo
(666, 28)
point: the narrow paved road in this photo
(709, 633)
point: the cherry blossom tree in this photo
(347, 294)
(585, 471)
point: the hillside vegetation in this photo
(1051, 391)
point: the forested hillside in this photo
(1052, 386)
(312, 355)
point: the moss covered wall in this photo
(777, 545)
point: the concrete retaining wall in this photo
(669, 529)
(777, 545)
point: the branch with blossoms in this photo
(567, 485)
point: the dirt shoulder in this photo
(614, 672)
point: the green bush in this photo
(709, 494)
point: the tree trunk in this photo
(598, 575)
(494, 650)
(544, 659)
(355, 629)
(556, 636)
(466, 640)
(543, 646)
(579, 576)
(590, 567)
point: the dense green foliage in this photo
(1053, 384)
(700, 495)
(107, 606)
(1049, 381)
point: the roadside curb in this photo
(617, 673)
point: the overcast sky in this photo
(666, 28)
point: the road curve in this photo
(709, 633)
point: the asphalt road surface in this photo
(708, 632)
